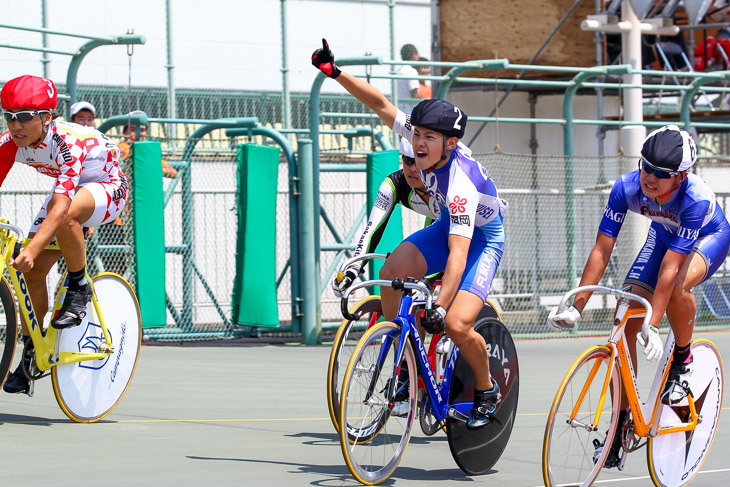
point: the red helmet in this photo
(29, 92)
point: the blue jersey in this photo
(468, 199)
(690, 214)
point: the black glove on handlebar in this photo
(433, 319)
(324, 60)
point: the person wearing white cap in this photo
(83, 113)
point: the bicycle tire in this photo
(573, 464)
(87, 391)
(8, 329)
(342, 349)
(373, 440)
(675, 458)
(476, 451)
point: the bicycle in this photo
(92, 364)
(373, 440)
(357, 320)
(677, 443)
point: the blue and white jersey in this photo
(690, 214)
(467, 196)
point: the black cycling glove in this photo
(433, 319)
(324, 60)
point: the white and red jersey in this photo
(73, 154)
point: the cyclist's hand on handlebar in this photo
(432, 320)
(23, 262)
(567, 319)
(652, 344)
(324, 60)
(344, 280)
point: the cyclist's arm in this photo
(595, 266)
(379, 215)
(370, 97)
(668, 270)
(455, 265)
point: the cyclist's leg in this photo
(708, 254)
(460, 327)
(94, 204)
(422, 253)
(70, 234)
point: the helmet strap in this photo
(445, 155)
(656, 200)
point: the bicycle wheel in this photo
(87, 391)
(675, 458)
(475, 452)
(568, 449)
(373, 440)
(344, 343)
(8, 329)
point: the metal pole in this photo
(435, 42)
(632, 136)
(285, 100)
(44, 38)
(311, 319)
(393, 83)
(171, 98)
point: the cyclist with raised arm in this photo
(467, 240)
(688, 240)
(89, 190)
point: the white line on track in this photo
(611, 481)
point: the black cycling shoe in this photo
(614, 456)
(73, 310)
(17, 382)
(485, 404)
(677, 386)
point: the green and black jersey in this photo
(393, 190)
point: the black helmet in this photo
(441, 116)
(670, 149)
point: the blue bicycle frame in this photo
(438, 394)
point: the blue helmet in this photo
(441, 116)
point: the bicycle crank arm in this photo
(454, 413)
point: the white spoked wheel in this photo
(675, 458)
(87, 391)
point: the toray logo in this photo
(457, 205)
(90, 342)
(26, 300)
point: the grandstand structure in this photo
(555, 116)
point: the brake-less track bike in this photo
(373, 440)
(585, 411)
(92, 364)
(360, 318)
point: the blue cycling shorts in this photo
(644, 272)
(481, 262)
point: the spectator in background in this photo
(424, 86)
(83, 113)
(720, 14)
(407, 88)
(114, 234)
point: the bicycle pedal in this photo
(622, 461)
(31, 388)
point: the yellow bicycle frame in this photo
(45, 343)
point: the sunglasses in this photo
(408, 161)
(23, 116)
(658, 173)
